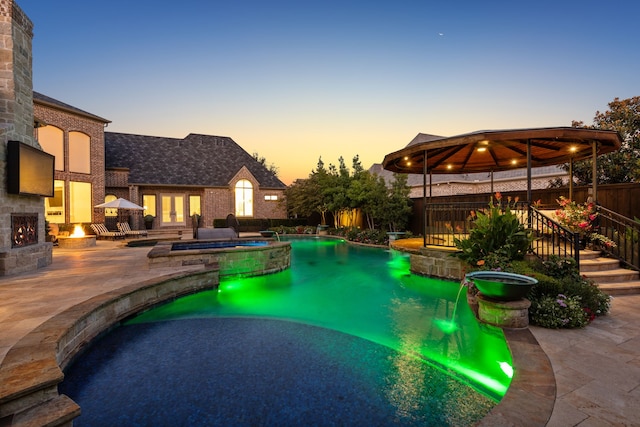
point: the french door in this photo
(172, 209)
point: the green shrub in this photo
(560, 278)
(497, 238)
(299, 229)
(560, 311)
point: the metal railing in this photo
(625, 234)
(551, 238)
(446, 222)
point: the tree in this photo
(306, 196)
(342, 192)
(263, 161)
(622, 165)
(397, 207)
(369, 192)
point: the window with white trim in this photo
(244, 198)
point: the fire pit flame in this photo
(77, 232)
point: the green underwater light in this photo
(369, 293)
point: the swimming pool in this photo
(345, 336)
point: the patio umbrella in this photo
(120, 204)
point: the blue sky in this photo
(296, 80)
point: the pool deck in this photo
(596, 369)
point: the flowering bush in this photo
(578, 218)
(559, 289)
(602, 239)
(560, 311)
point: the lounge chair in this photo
(102, 232)
(125, 228)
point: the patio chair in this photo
(126, 229)
(102, 232)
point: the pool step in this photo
(57, 412)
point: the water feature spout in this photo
(449, 326)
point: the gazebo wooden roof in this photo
(498, 150)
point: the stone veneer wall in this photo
(437, 262)
(16, 123)
(246, 261)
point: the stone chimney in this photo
(22, 231)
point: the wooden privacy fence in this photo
(623, 199)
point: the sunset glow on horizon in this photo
(296, 81)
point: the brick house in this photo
(76, 139)
(172, 178)
(211, 176)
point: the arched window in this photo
(51, 140)
(244, 198)
(79, 152)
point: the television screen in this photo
(29, 170)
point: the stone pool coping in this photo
(231, 261)
(33, 367)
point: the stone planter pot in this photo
(502, 286)
(504, 314)
(472, 300)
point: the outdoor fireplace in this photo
(77, 240)
(24, 230)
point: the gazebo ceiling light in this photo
(486, 151)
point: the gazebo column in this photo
(424, 198)
(529, 171)
(571, 178)
(594, 171)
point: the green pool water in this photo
(369, 293)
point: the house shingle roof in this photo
(196, 160)
(46, 100)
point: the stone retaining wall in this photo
(437, 262)
(241, 261)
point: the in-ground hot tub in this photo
(234, 257)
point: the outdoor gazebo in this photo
(500, 150)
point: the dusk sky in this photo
(296, 80)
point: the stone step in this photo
(621, 288)
(59, 411)
(587, 255)
(598, 264)
(612, 276)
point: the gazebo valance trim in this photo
(497, 150)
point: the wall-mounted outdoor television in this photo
(29, 170)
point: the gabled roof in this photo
(39, 98)
(197, 160)
(423, 137)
